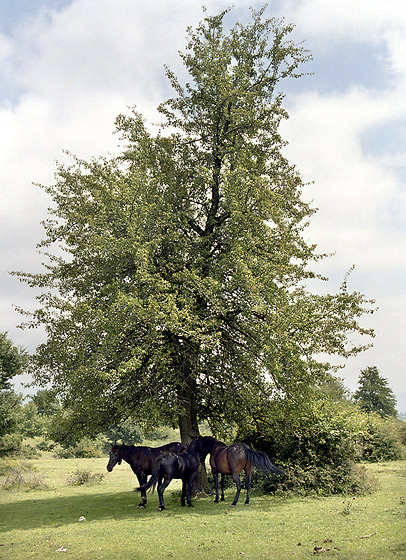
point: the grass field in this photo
(44, 523)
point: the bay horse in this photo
(182, 465)
(231, 460)
(141, 460)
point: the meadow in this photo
(102, 521)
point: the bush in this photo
(23, 476)
(348, 478)
(5, 466)
(85, 448)
(84, 476)
(10, 444)
(28, 451)
(317, 445)
(382, 440)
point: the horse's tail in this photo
(260, 460)
(152, 481)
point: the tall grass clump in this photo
(23, 477)
(81, 477)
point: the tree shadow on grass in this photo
(59, 511)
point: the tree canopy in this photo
(374, 394)
(181, 292)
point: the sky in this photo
(69, 67)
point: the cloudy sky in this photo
(68, 67)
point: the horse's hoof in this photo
(161, 508)
(216, 501)
(191, 505)
(141, 506)
(247, 504)
(222, 500)
(233, 505)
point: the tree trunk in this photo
(188, 426)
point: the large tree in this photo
(182, 294)
(374, 394)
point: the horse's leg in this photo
(189, 489)
(237, 481)
(142, 479)
(223, 476)
(216, 485)
(163, 483)
(248, 476)
(183, 495)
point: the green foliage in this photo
(127, 432)
(33, 424)
(86, 447)
(383, 439)
(39, 414)
(10, 421)
(181, 295)
(12, 361)
(46, 402)
(346, 478)
(320, 443)
(374, 393)
(80, 477)
(402, 432)
(317, 444)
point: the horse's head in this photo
(197, 447)
(116, 456)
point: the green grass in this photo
(43, 524)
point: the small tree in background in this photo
(12, 362)
(374, 393)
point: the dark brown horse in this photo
(183, 465)
(232, 460)
(141, 460)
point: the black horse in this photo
(141, 460)
(232, 460)
(183, 465)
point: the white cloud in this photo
(332, 21)
(355, 190)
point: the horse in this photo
(231, 460)
(170, 465)
(141, 460)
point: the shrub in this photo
(347, 478)
(85, 448)
(84, 476)
(23, 476)
(10, 444)
(5, 466)
(317, 445)
(382, 440)
(28, 451)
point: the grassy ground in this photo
(44, 524)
